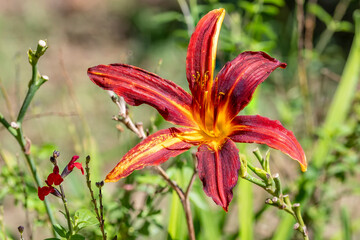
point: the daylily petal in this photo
(201, 54)
(238, 79)
(257, 129)
(138, 86)
(154, 150)
(218, 170)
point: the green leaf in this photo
(270, 10)
(278, 3)
(166, 17)
(77, 237)
(345, 219)
(246, 210)
(60, 230)
(249, 7)
(84, 218)
(344, 26)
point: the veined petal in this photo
(218, 170)
(257, 129)
(200, 60)
(138, 86)
(238, 79)
(154, 150)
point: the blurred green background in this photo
(72, 115)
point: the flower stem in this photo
(99, 217)
(67, 213)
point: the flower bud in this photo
(56, 154)
(100, 184)
(14, 125)
(21, 229)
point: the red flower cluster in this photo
(56, 179)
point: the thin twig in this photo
(139, 131)
(192, 179)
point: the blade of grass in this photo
(246, 210)
(346, 225)
(176, 228)
(210, 220)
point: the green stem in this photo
(7, 125)
(67, 213)
(255, 181)
(22, 142)
(34, 84)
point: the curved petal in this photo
(154, 150)
(73, 159)
(257, 129)
(238, 79)
(218, 170)
(138, 86)
(79, 166)
(200, 60)
(44, 191)
(54, 178)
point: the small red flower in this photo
(44, 191)
(54, 178)
(68, 169)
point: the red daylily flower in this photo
(68, 169)
(53, 179)
(209, 114)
